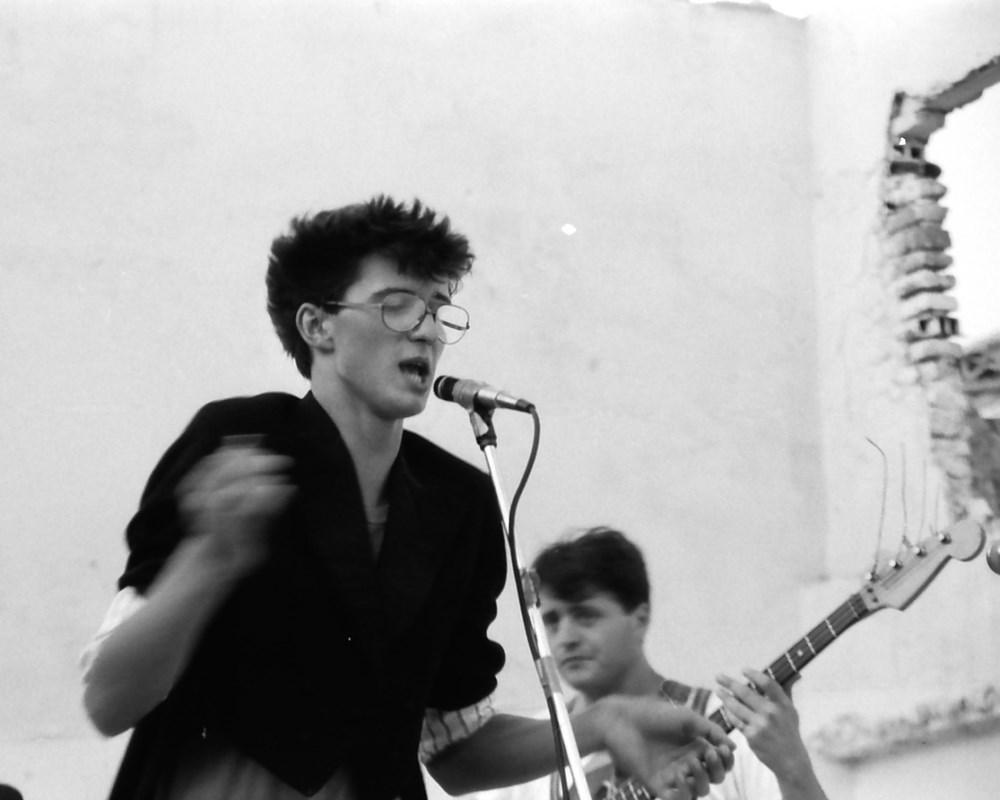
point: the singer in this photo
(305, 603)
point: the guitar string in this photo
(902, 494)
(881, 516)
(841, 619)
(850, 611)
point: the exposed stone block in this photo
(913, 120)
(927, 349)
(919, 259)
(949, 395)
(903, 189)
(955, 466)
(930, 326)
(980, 367)
(901, 218)
(914, 214)
(924, 280)
(902, 166)
(985, 459)
(966, 90)
(927, 303)
(946, 426)
(926, 236)
(936, 370)
(948, 406)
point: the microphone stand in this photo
(482, 426)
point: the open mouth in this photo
(417, 369)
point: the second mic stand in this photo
(482, 426)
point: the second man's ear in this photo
(642, 614)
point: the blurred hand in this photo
(673, 752)
(230, 497)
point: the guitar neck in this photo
(785, 670)
(907, 575)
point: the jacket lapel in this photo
(418, 531)
(383, 598)
(333, 520)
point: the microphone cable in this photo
(561, 757)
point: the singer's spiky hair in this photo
(598, 560)
(320, 257)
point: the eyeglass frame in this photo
(427, 310)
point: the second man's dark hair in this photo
(599, 559)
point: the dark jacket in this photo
(322, 657)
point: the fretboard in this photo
(784, 670)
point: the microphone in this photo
(473, 394)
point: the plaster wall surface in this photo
(695, 387)
(152, 150)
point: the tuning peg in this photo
(983, 513)
(993, 555)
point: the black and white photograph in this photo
(499, 399)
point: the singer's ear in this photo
(315, 326)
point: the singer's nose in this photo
(427, 330)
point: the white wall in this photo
(152, 150)
(695, 387)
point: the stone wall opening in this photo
(961, 382)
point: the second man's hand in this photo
(764, 713)
(675, 753)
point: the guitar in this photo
(896, 586)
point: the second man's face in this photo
(596, 643)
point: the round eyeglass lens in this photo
(453, 322)
(402, 312)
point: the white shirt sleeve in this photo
(125, 604)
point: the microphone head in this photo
(473, 395)
(444, 387)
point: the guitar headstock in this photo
(909, 573)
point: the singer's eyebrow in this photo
(381, 294)
(439, 295)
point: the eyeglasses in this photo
(403, 312)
